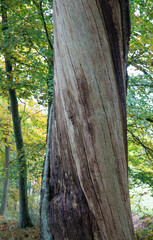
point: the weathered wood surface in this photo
(88, 168)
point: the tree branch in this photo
(45, 26)
(149, 119)
(39, 7)
(137, 140)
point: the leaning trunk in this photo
(24, 220)
(6, 180)
(89, 195)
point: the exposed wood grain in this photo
(89, 183)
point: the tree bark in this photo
(45, 190)
(24, 220)
(6, 180)
(89, 195)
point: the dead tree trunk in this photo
(89, 195)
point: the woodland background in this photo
(29, 44)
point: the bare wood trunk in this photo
(88, 145)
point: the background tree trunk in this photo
(6, 180)
(89, 195)
(24, 220)
(45, 190)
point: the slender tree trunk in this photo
(6, 180)
(24, 220)
(45, 190)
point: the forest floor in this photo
(143, 227)
(9, 229)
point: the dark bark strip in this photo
(115, 49)
(126, 27)
(113, 36)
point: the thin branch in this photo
(32, 44)
(137, 140)
(140, 68)
(149, 119)
(142, 85)
(20, 62)
(45, 26)
(21, 17)
(25, 32)
(44, 22)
